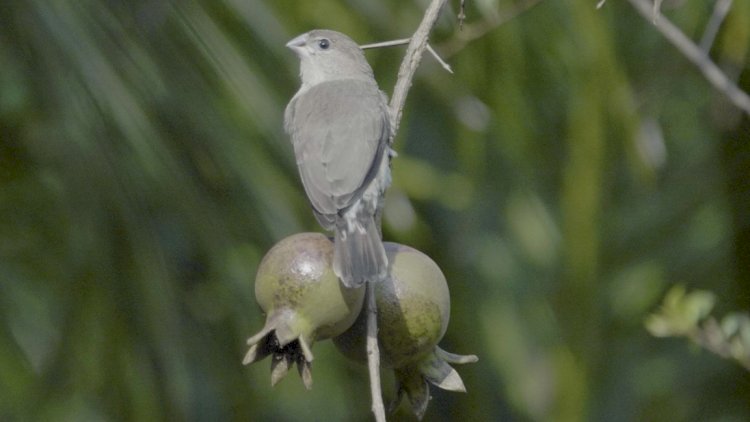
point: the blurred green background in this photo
(571, 171)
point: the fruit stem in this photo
(373, 354)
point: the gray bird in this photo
(340, 128)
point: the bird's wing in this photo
(340, 130)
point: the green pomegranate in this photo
(413, 311)
(303, 301)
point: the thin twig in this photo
(721, 8)
(656, 11)
(461, 15)
(403, 41)
(437, 57)
(477, 30)
(692, 52)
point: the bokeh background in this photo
(572, 170)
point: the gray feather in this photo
(338, 140)
(359, 255)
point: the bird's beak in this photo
(298, 43)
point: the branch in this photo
(409, 65)
(699, 58)
(373, 354)
(411, 61)
(721, 8)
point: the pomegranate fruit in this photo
(413, 311)
(304, 302)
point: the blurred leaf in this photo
(680, 312)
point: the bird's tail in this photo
(358, 254)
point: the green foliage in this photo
(687, 315)
(680, 313)
(572, 169)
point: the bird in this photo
(340, 129)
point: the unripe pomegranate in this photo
(413, 308)
(303, 300)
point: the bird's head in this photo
(327, 55)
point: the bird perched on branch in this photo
(340, 128)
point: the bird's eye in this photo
(324, 44)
